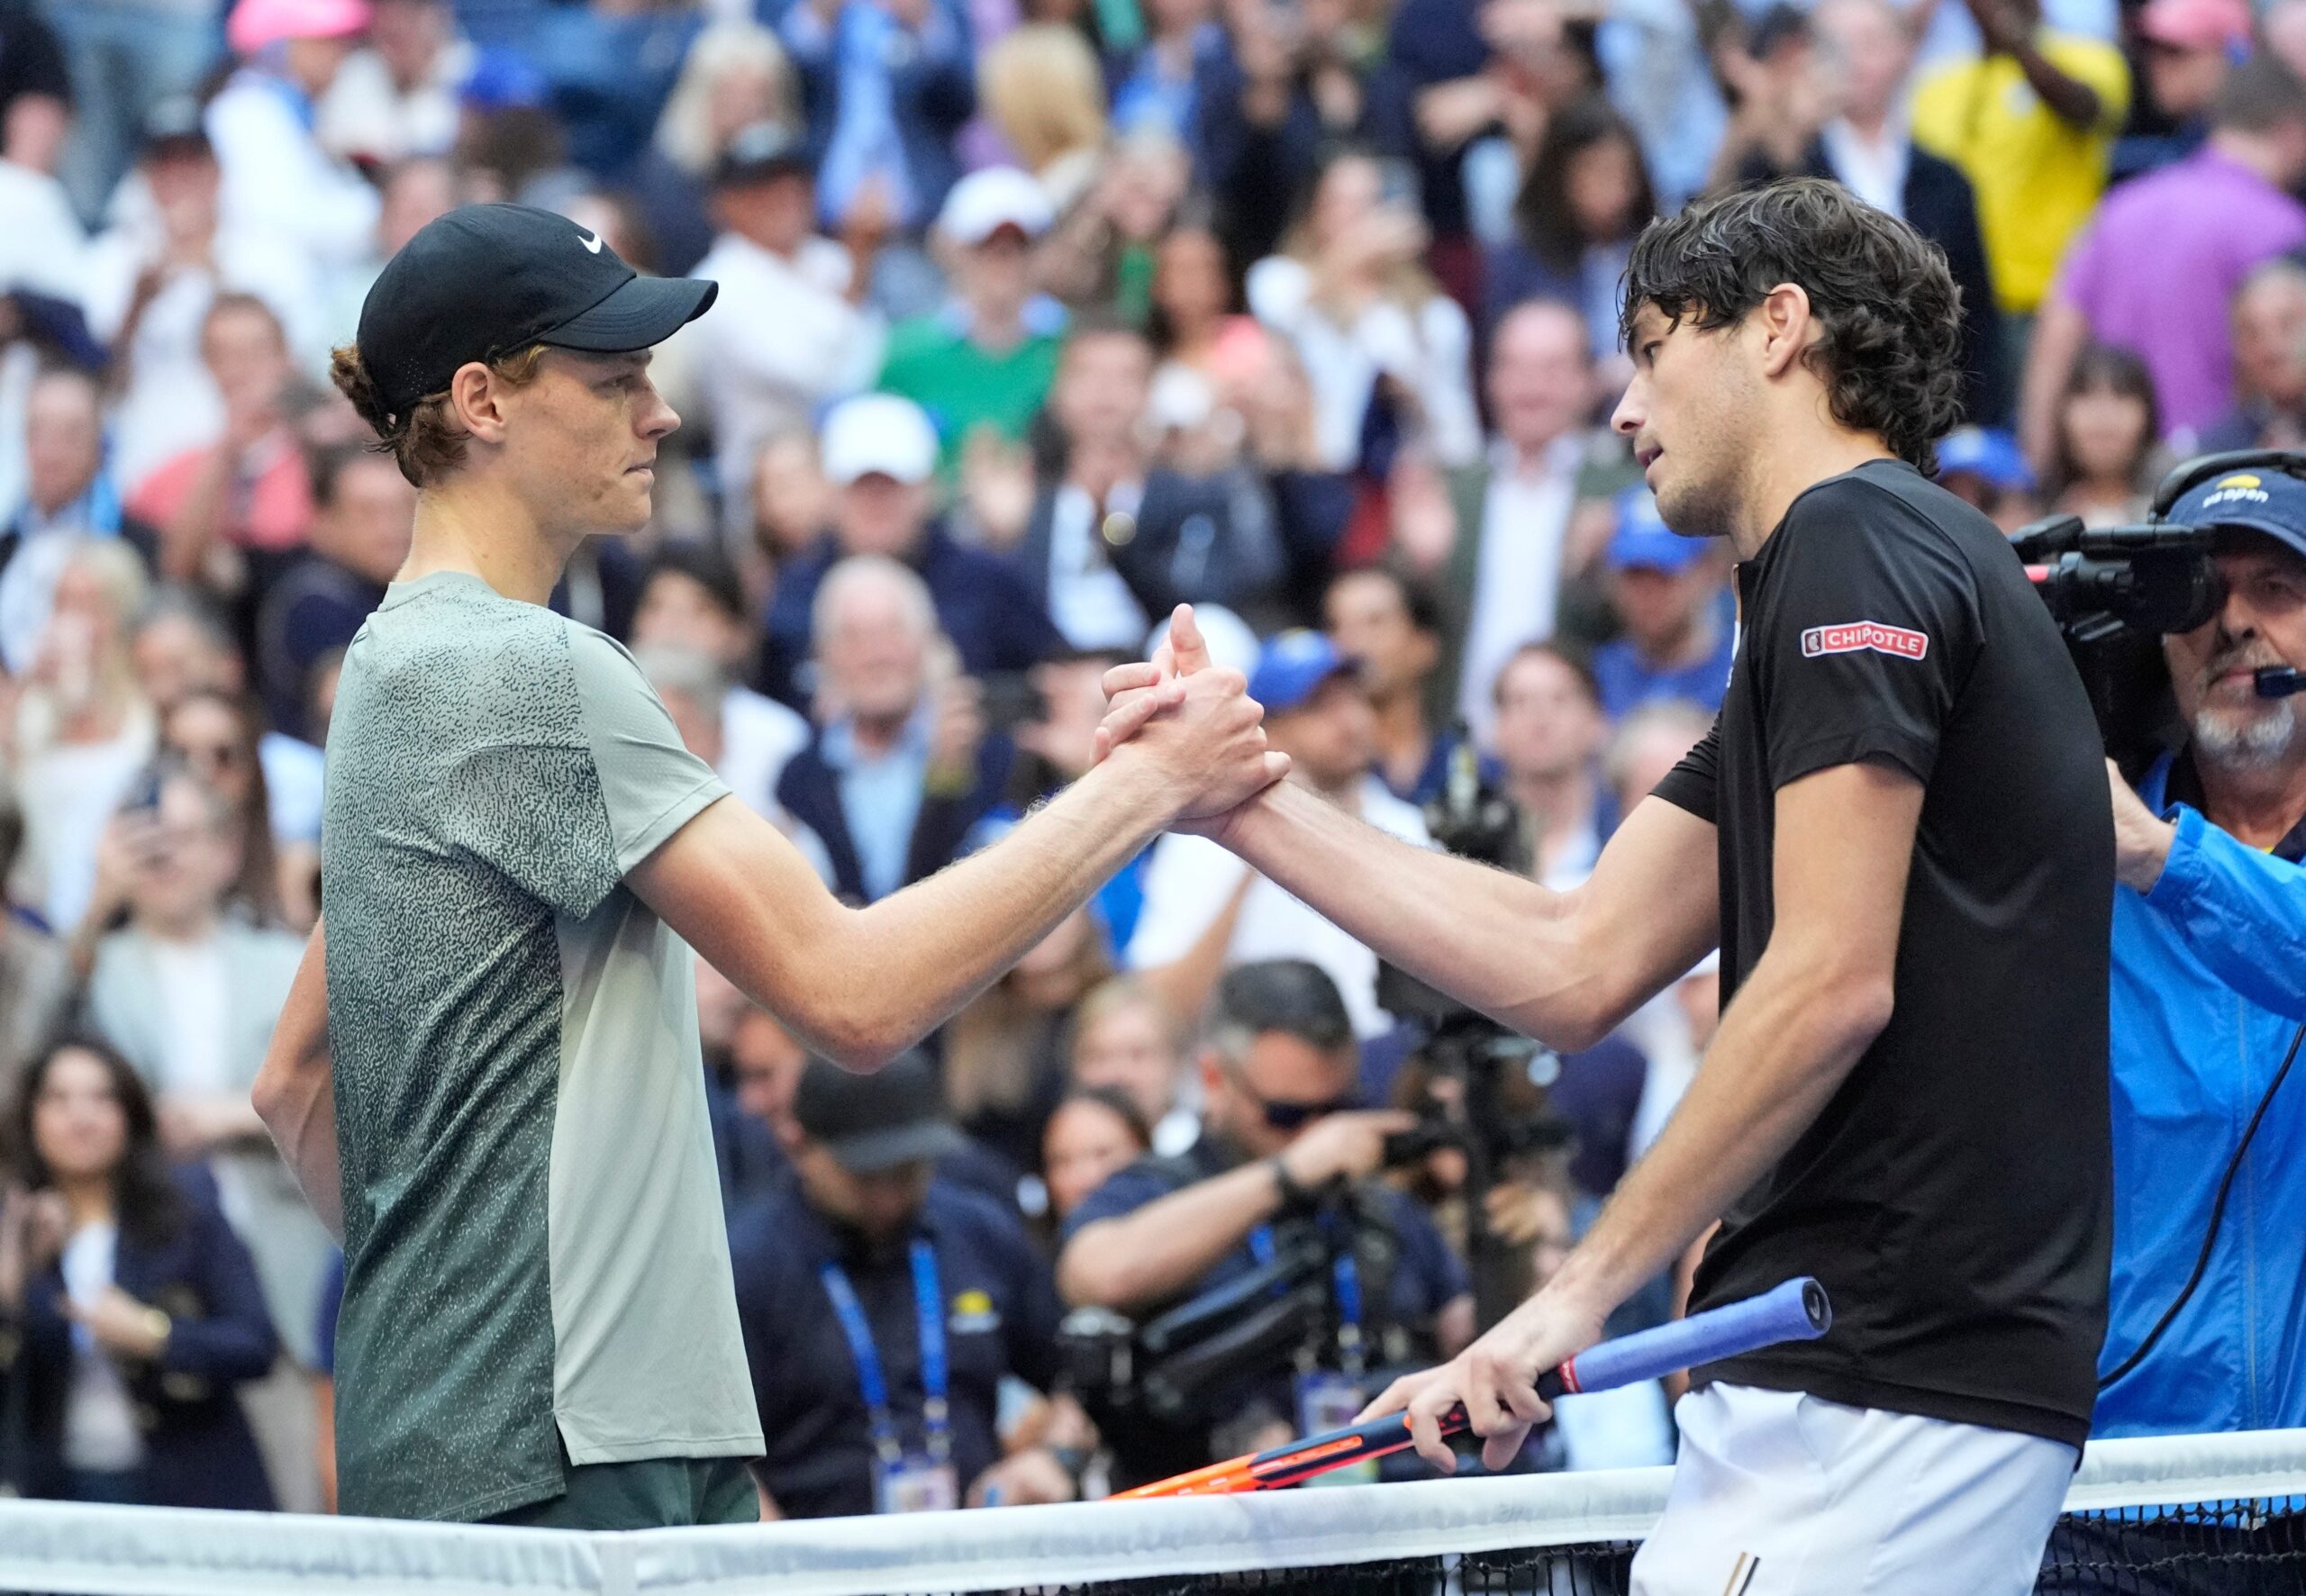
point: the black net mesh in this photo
(2226, 1548)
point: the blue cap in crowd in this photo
(1293, 667)
(1986, 452)
(2257, 499)
(1644, 541)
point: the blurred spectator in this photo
(1668, 590)
(68, 497)
(1092, 1135)
(1867, 145)
(1389, 624)
(2269, 331)
(1986, 468)
(2159, 263)
(609, 66)
(1119, 539)
(278, 178)
(1388, 354)
(35, 93)
(792, 505)
(2030, 123)
(247, 492)
(886, 85)
(82, 729)
(44, 243)
(183, 647)
(1193, 300)
(988, 358)
(1205, 909)
(2102, 450)
(883, 1309)
(901, 767)
(749, 1157)
(1516, 547)
(2186, 48)
(36, 985)
(395, 97)
(880, 455)
(137, 1308)
(188, 993)
(1126, 1039)
(154, 276)
(1159, 85)
(1045, 93)
(217, 734)
(1550, 736)
(787, 332)
(734, 77)
(1775, 86)
(1103, 251)
(1004, 1055)
(125, 58)
(692, 599)
(1279, 86)
(1586, 198)
(1278, 1072)
(365, 514)
(764, 1065)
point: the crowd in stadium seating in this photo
(1037, 318)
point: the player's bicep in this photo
(736, 890)
(1844, 848)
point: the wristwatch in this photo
(1293, 1195)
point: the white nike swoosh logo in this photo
(590, 240)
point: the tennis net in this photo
(2186, 1516)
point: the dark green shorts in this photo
(654, 1494)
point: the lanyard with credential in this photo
(1345, 1277)
(928, 1301)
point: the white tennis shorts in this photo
(1776, 1493)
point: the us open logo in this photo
(1858, 637)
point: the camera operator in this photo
(1279, 1138)
(2208, 992)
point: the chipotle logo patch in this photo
(1857, 637)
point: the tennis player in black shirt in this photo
(1898, 834)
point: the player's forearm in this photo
(1497, 942)
(899, 968)
(1158, 1251)
(295, 1093)
(1784, 1047)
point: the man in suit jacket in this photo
(1117, 541)
(901, 769)
(1519, 566)
(189, 997)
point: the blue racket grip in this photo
(1796, 1312)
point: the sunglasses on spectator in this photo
(221, 756)
(1285, 1116)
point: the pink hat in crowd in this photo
(257, 25)
(2196, 24)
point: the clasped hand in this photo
(1194, 723)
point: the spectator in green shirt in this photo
(988, 360)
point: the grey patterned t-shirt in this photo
(534, 1253)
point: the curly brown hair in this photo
(1890, 313)
(425, 442)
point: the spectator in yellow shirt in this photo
(2030, 122)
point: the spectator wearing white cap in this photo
(879, 454)
(988, 358)
(788, 331)
(278, 176)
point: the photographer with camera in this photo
(1284, 1160)
(2208, 996)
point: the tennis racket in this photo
(1796, 1312)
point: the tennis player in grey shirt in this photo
(487, 1076)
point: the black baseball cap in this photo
(488, 280)
(872, 1122)
(759, 152)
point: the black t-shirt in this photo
(1954, 1196)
